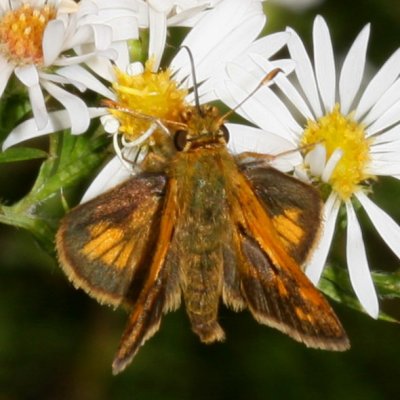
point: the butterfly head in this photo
(205, 128)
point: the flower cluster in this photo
(337, 131)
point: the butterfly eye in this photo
(180, 140)
(225, 133)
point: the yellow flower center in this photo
(21, 33)
(338, 132)
(151, 94)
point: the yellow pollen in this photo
(336, 131)
(149, 93)
(21, 33)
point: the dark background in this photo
(57, 343)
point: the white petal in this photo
(60, 80)
(110, 54)
(6, 70)
(80, 74)
(331, 165)
(353, 70)
(4, 6)
(125, 28)
(187, 17)
(264, 96)
(102, 67)
(285, 85)
(384, 168)
(387, 136)
(253, 110)
(158, 35)
(324, 63)
(244, 138)
(38, 105)
(388, 152)
(383, 79)
(389, 98)
(269, 45)
(304, 71)
(28, 75)
(58, 121)
(77, 109)
(53, 41)
(389, 118)
(386, 148)
(357, 262)
(315, 265)
(103, 36)
(122, 57)
(316, 159)
(230, 28)
(293, 96)
(384, 224)
(227, 48)
(261, 66)
(111, 175)
(162, 6)
(110, 124)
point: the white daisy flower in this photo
(36, 42)
(225, 34)
(357, 132)
(108, 25)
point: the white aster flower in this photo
(225, 34)
(36, 42)
(358, 136)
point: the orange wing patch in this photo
(111, 246)
(287, 227)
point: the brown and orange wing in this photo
(102, 243)
(272, 283)
(153, 298)
(293, 206)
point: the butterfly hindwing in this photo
(102, 243)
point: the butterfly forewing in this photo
(145, 317)
(102, 243)
(275, 289)
(293, 206)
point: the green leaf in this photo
(70, 160)
(388, 284)
(21, 154)
(14, 106)
(335, 283)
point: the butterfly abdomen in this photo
(200, 234)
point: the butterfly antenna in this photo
(195, 87)
(267, 78)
